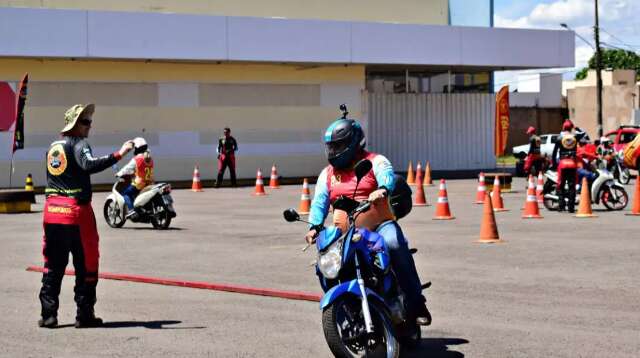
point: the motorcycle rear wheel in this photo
(161, 218)
(614, 198)
(113, 214)
(344, 330)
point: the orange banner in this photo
(502, 120)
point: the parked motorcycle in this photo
(154, 205)
(604, 189)
(620, 171)
(364, 312)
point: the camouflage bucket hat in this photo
(72, 114)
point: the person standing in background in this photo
(227, 147)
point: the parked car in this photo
(623, 135)
(548, 141)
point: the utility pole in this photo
(596, 31)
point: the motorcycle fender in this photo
(117, 198)
(346, 288)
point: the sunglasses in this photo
(85, 122)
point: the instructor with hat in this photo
(69, 222)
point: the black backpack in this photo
(400, 199)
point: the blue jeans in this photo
(402, 261)
(584, 173)
(130, 195)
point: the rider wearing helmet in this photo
(345, 145)
(141, 167)
(606, 152)
(534, 161)
(564, 158)
(586, 156)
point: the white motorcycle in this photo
(604, 189)
(154, 205)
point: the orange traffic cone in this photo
(531, 210)
(584, 210)
(305, 198)
(420, 199)
(259, 184)
(273, 182)
(196, 185)
(496, 196)
(411, 180)
(419, 174)
(635, 207)
(488, 227)
(482, 190)
(442, 208)
(540, 189)
(427, 175)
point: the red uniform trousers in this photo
(69, 227)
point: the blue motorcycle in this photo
(363, 308)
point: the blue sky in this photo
(619, 21)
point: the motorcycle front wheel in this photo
(614, 198)
(113, 214)
(161, 218)
(345, 332)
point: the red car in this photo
(623, 135)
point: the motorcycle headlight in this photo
(330, 261)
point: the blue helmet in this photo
(342, 139)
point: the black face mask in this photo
(139, 150)
(344, 159)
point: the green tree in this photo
(613, 59)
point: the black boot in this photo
(423, 316)
(49, 322)
(88, 320)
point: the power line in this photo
(619, 40)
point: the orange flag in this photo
(502, 120)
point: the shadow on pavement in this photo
(436, 348)
(148, 324)
(130, 324)
(151, 228)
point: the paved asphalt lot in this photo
(557, 287)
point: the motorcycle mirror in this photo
(362, 168)
(291, 215)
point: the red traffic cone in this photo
(273, 182)
(259, 184)
(635, 207)
(531, 210)
(305, 198)
(496, 196)
(411, 179)
(540, 189)
(488, 227)
(427, 175)
(196, 185)
(482, 189)
(420, 199)
(442, 208)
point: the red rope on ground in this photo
(247, 290)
